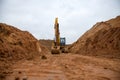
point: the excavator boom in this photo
(57, 33)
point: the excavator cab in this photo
(62, 45)
(62, 41)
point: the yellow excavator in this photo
(58, 45)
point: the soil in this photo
(103, 39)
(17, 45)
(46, 42)
(95, 56)
(67, 67)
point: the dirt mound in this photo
(46, 43)
(103, 39)
(17, 45)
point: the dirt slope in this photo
(103, 39)
(17, 45)
(47, 43)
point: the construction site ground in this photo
(66, 67)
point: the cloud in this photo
(75, 16)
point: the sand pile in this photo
(103, 39)
(17, 45)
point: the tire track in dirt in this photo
(31, 70)
(67, 67)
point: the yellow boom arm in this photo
(57, 33)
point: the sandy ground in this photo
(67, 67)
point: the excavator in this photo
(59, 43)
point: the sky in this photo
(75, 16)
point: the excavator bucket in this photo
(55, 50)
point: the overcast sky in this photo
(75, 16)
